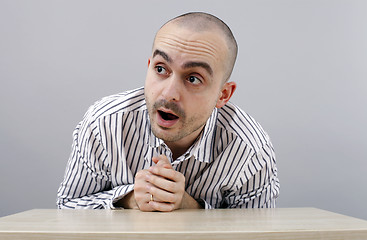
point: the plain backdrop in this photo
(301, 72)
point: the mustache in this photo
(169, 105)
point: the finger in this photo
(141, 175)
(167, 173)
(160, 195)
(162, 207)
(141, 187)
(141, 192)
(163, 183)
(162, 160)
(155, 159)
(146, 207)
(142, 201)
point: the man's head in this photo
(192, 59)
(199, 22)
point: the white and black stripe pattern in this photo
(231, 165)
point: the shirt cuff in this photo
(120, 193)
(204, 204)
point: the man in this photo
(178, 142)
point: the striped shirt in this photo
(230, 165)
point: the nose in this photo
(172, 89)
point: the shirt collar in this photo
(202, 147)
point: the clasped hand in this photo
(159, 188)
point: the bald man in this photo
(177, 142)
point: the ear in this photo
(226, 93)
(148, 62)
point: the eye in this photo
(160, 70)
(194, 80)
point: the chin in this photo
(161, 133)
(166, 135)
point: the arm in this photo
(261, 189)
(87, 180)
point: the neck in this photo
(180, 147)
(177, 151)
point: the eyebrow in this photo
(190, 64)
(199, 64)
(162, 54)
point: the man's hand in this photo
(138, 198)
(167, 186)
(159, 188)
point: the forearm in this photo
(103, 199)
(127, 202)
(93, 201)
(189, 202)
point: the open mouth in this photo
(167, 116)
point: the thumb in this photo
(162, 161)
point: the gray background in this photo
(301, 73)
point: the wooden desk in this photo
(280, 223)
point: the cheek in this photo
(148, 79)
(150, 86)
(202, 107)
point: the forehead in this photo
(187, 44)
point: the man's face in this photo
(184, 82)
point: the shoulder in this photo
(127, 101)
(234, 120)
